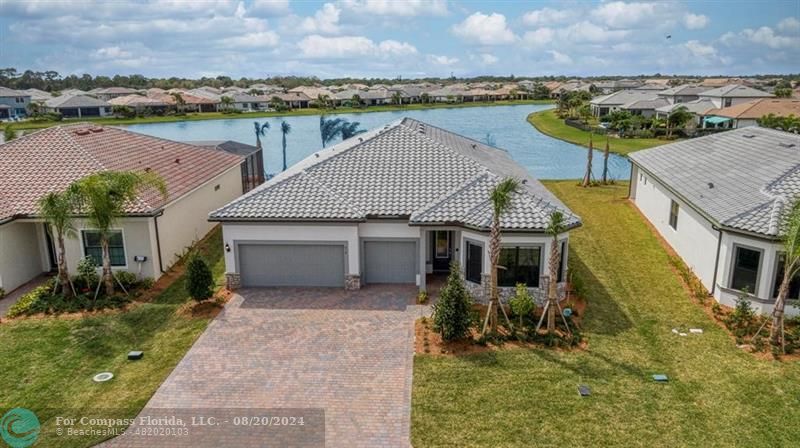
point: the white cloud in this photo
(114, 52)
(268, 8)
(488, 59)
(539, 37)
(560, 58)
(695, 21)
(404, 8)
(588, 32)
(350, 47)
(442, 60)
(766, 36)
(628, 15)
(700, 50)
(789, 25)
(260, 39)
(485, 29)
(325, 20)
(546, 17)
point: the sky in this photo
(400, 38)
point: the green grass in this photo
(718, 395)
(47, 364)
(25, 125)
(548, 123)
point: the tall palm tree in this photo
(425, 97)
(587, 178)
(555, 227)
(678, 119)
(397, 99)
(286, 128)
(790, 240)
(329, 128)
(323, 100)
(500, 197)
(103, 197)
(261, 131)
(57, 210)
(179, 101)
(350, 129)
(226, 102)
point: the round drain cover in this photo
(103, 377)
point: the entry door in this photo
(442, 251)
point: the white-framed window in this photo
(116, 247)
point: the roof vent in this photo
(82, 132)
(360, 139)
(787, 145)
(148, 169)
(474, 146)
(177, 160)
(96, 129)
(711, 185)
(749, 136)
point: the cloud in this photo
(114, 52)
(442, 60)
(789, 25)
(766, 36)
(260, 39)
(539, 37)
(404, 8)
(700, 50)
(695, 21)
(325, 21)
(351, 47)
(488, 59)
(546, 16)
(628, 15)
(268, 8)
(560, 58)
(485, 29)
(588, 32)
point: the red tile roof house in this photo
(199, 180)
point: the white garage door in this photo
(291, 264)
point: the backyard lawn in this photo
(548, 123)
(48, 363)
(717, 395)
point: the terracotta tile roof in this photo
(49, 160)
(758, 108)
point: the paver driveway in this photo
(350, 354)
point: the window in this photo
(116, 248)
(794, 285)
(474, 262)
(745, 269)
(673, 214)
(519, 265)
(442, 244)
(562, 266)
(728, 102)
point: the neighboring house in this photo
(645, 107)
(604, 105)
(572, 86)
(312, 92)
(733, 94)
(112, 92)
(198, 180)
(38, 96)
(294, 100)
(252, 164)
(390, 206)
(747, 114)
(682, 94)
(698, 108)
(78, 106)
(191, 103)
(245, 102)
(718, 201)
(13, 103)
(139, 103)
(73, 92)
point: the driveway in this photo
(344, 358)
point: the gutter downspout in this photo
(716, 260)
(158, 242)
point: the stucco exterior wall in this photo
(20, 256)
(186, 220)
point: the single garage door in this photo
(390, 262)
(291, 264)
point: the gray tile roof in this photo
(696, 107)
(735, 91)
(625, 97)
(75, 101)
(404, 169)
(6, 92)
(686, 89)
(648, 104)
(229, 146)
(743, 179)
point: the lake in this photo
(545, 157)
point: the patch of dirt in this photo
(207, 308)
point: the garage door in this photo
(390, 262)
(291, 264)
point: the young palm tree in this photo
(102, 197)
(501, 201)
(555, 227)
(179, 101)
(587, 178)
(678, 119)
(329, 129)
(226, 102)
(322, 101)
(350, 129)
(261, 131)
(790, 239)
(605, 162)
(356, 100)
(57, 210)
(286, 128)
(397, 99)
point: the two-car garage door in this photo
(276, 264)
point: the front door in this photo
(51, 248)
(442, 250)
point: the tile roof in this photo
(404, 169)
(685, 89)
(735, 91)
(696, 107)
(65, 101)
(625, 97)
(49, 160)
(760, 107)
(135, 101)
(741, 179)
(6, 92)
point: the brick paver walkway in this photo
(348, 354)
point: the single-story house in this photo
(747, 114)
(392, 205)
(13, 103)
(733, 94)
(108, 93)
(293, 100)
(697, 107)
(149, 239)
(645, 107)
(77, 106)
(604, 105)
(719, 201)
(139, 103)
(38, 96)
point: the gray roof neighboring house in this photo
(742, 180)
(67, 101)
(684, 90)
(6, 92)
(624, 97)
(38, 95)
(406, 169)
(698, 107)
(735, 91)
(229, 146)
(646, 104)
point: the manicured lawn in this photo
(48, 363)
(309, 111)
(718, 395)
(548, 123)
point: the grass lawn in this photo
(48, 363)
(309, 111)
(548, 123)
(718, 395)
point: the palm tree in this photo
(350, 129)
(587, 178)
(678, 119)
(322, 101)
(790, 240)
(356, 100)
(179, 101)
(329, 129)
(57, 211)
(397, 99)
(501, 201)
(554, 228)
(286, 128)
(425, 97)
(605, 162)
(226, 102)
(103, 196)
(261, 131)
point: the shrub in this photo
(451, 314)
(87, 273)
(422, 297)
(2, 293)
(127, 279)
(147, 283)
(522, 303)
(742, 321)
(26, 303)
(199, 281)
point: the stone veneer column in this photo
(486, 283)
(352, 282)
(233, 281)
